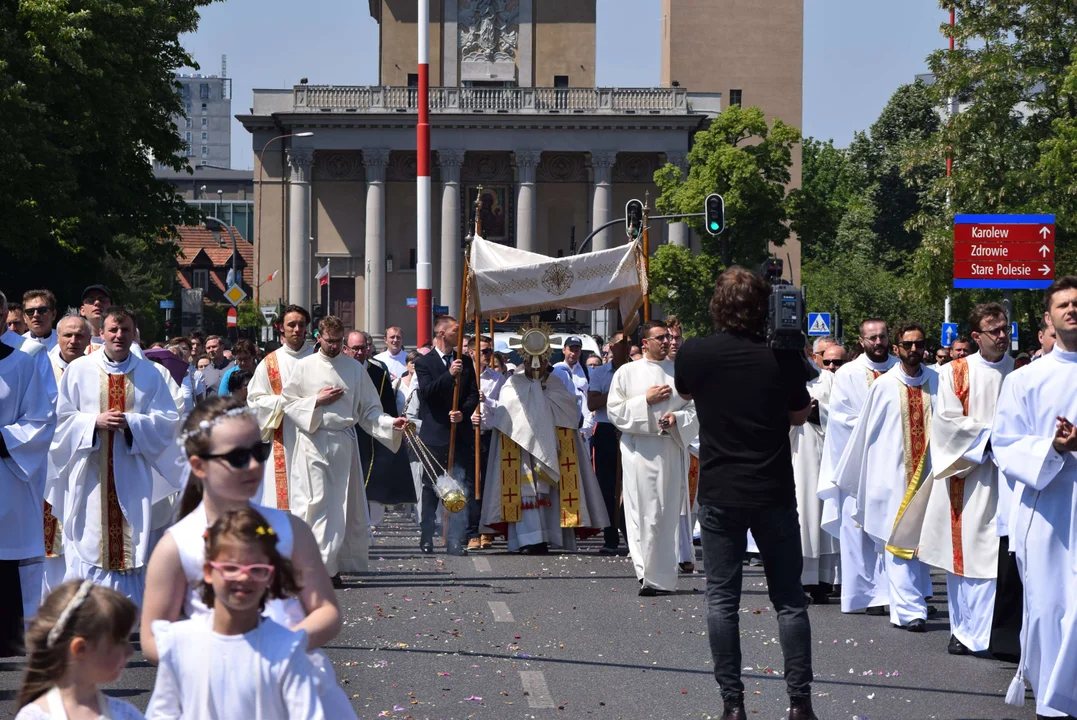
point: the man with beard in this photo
(959, 534)
(883, 469)
(863, 576)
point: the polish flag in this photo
(273, 276)
(323, 275)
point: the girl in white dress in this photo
(229, 662)
(77, 641)
(226, 453)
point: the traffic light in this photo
(633, 218)
(317, 312)
(714, 209)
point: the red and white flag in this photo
(323, 275)
(273, 276)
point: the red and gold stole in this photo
(117, 547)
(511, 508)
(569, 470)
(693, 478)
(280, 470)
(957, 484)
(53, 529)
(915, 431)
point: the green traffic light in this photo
(715, 226)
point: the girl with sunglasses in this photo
(233, 661)
(226, 453)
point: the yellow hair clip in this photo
(261, 530)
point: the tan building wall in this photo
(565, 42)
(400, 41)
(747, 45)
(268, 249)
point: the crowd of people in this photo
(215, 497)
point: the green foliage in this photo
(683, 284)
(745, 161)
(141, 272)
(86, 98)
(249, 316)
(828, 183)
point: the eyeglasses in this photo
(659, 338)
(833, 363)
(910, 344)
(996, 332)
(487, 351)
(240, 458)
(874, 338)
(258, 572)
(353, 348)
(36, 310)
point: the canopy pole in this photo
(460, 332)
(646, 258)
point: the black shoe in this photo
(800, 708)
(338, 583)
(917, 626)
(607, 550)
(426, 546)
(733, 708)
(956, 647)
(536, 549)
(817, 595)
(836, 592)
(877, 610)
(457, 550)
(687, 567)
(932, 611)
(648, 592)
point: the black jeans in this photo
(606, 449)
(777, 533)
(464, 471)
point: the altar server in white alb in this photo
(863, 574)
(959, 526)
(115, 417)
(265, 397)
(1034, 440)
(884, 467)
(657, 427)
(328, 394)
(822, 560)
(27, 424)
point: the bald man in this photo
(833, 358)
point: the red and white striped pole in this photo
(423, 275)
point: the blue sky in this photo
(856, 52)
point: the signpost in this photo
(441, 310)
(1013, 336)
(1004, 252)
(232, 317)
(235, 294)
(948, 334)
(818, 324)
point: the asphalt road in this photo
(507, 636)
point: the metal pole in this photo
(423, 271)
(328, 287)
(646, 259)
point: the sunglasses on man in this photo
(833, 363)
(36, 310)
(910, 344)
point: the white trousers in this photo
(825, 568)
(686, 552)
(863, 569)
(972, 607)
(30, 574)
(53, 577)
(131, 583)
(906, 584)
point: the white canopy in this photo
(505, 279)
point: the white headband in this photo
(72, 606)
(206, 425)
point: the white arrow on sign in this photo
(1045, 232)
(1045, 270)
(1044, 250)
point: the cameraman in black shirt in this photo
(747, 396)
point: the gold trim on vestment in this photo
(569, 470)
(915, 432)
(510, 462)
(117, 545)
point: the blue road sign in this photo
(818, 324)
(1013, 330)
(949, 333)
(168, 305)
(441, 309)
(413, 302)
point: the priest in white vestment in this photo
(72, 338)
(540, 489)
(863, 573)
(265, 398)
(657, 427)
(884, 467)
(1035, 444)
(27, 425)
(959, 525)
(116, 417)
(328, 394)
(821, 554)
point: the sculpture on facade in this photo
(489, 30)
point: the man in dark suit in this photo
(437, 373)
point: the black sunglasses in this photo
(36, 310)
(240, 458)
(910, 344)
(835, 363)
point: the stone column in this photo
(679, 232)
(525, 69)
(376, 161)
(299, 275)
(602, 162)
(452, 255)
(526, 203)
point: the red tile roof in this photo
(193, 238)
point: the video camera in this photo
(785, 309)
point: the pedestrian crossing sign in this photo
(818, 324)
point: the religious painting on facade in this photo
(495, 214)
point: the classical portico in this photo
(553, 162)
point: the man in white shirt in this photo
(490, 384)
(395, 357)
(572, 373)
(39, 309)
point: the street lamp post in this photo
(258, 234)
(213, 223)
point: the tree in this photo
(828, 183)
(747, 162)
(144, 271)
(87, 96)
(683, 284)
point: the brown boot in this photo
(733, 708)
(800, 708)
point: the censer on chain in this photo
(445, 486)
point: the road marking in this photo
(482, 564)
(538, 695)
(501, 611)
